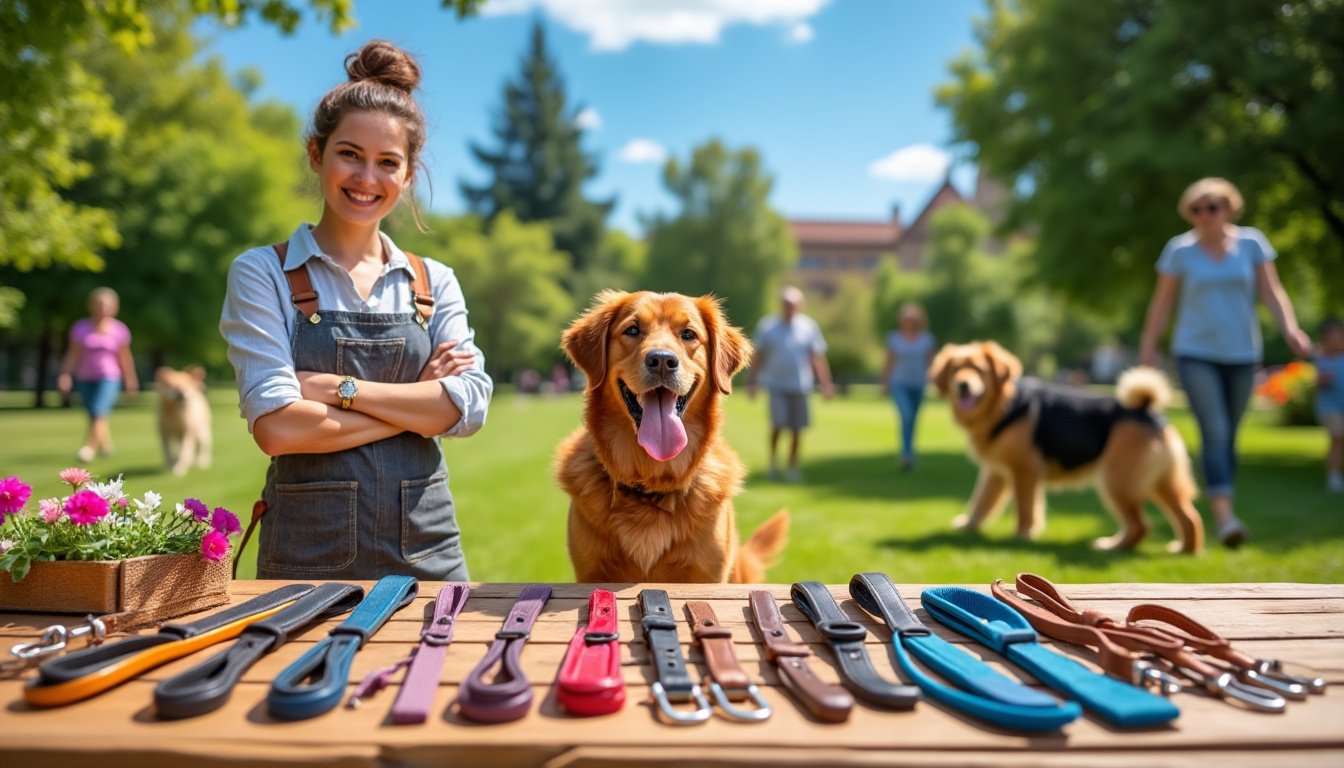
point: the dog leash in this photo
(728, 682)
(208, 685)
(1051, 606)
(671, 682)
(423, 664)
(981, 691)
(509, 697)
(846, 640)
(313, 684)
(590, 681)
(996, 626)
(91, 671)
(826, 702)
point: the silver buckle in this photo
(700, 715)
(758, 715)
(55, 638)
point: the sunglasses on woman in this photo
(1199, 209)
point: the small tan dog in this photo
(1026, 434)
(184, 418)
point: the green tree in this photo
(853, 348)
(538, 166)
(1103, 112)
(726, 239)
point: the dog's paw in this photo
(1028, 534)
(1178, 547)
(1113, 543)
(964, 523)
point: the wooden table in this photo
(1302, 623)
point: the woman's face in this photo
(1209, 214)
(364, 168)
(909, 322)
(102, 305)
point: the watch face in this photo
(346, 388)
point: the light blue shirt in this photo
(1330, 399)
(912, 358)
(1217, 320)
(784, 353)
(258, 322)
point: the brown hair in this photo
(382, 79)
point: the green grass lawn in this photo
(853, 512)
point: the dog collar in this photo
(728, 682)
(638, 491)
(981, 691)
(671, 682)
(827, 702)
(590, 681)
(510, 697)
(313, 684)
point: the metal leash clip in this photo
(757, 715)
(702, 709)
(1147, 674)
(1268, 673)
(56, 638)
(1225, 685)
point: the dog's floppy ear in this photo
(1005, 364)
(729, 348)
(197, 373)
(940, 370)
(585, 341)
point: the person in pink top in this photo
(97, 364)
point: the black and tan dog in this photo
(1026, 434)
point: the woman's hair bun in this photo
(383, 62)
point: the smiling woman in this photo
(350, 393)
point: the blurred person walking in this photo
(97, 365)
(910, 349)
(1329, 362)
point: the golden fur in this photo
(633, 518)
(1138, 461)
(184, 418)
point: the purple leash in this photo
(509, 697)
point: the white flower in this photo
(147, 507)
(111, 491)
(5, 545)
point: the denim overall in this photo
(378, 509)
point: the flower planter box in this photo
(155, 586)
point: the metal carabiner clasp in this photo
(1148, 675)
(1226, 685)
(758, 715)
(56, 638)
(1289, 690)
(1272, 668)
(702, 709)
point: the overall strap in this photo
(509, 697)
(590, 681)
(424, 300)
(728, 682)
(300, 286)
(671, 683)
(207, 686)
(980, 690)
(826, 702)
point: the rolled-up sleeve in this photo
(472, 389)
(253, 324)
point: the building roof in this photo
(875, 234)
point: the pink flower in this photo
(214, 546)
(197, 509)
(14, 494)
(75, 476)
(225, 522)
(123, 502)
(86, 508)
(50, 509)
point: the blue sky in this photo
(837, 95)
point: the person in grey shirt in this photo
(1217, 270)
(789, 360)
(910, 349)
(350, 395)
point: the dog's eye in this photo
(688, 335)
(632, 330)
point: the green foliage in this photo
(726, 239)
(538, 167)
(853, 348)
(1102, 113)
(512, 278)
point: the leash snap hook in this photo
(57, 637)
(700, 715)
(1259, 699)
(1273, 668)
(1148, 675)
(759, 714)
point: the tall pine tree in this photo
(538, 168)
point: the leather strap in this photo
(672, 684)
(728, 681)
(826, 702)
(313, 684)
(301, 291)
(207, 686)
(424, 300)
(91, 671)
(981, 691)
(590, 681)
(992, 623)
(846, 640)
(509, 696)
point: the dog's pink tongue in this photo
(661, 433)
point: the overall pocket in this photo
(370, 359)
(428, 518)
(310, 527)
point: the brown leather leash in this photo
(829, 703)
(728, 681)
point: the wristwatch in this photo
(347, 391)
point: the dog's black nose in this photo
(661, 358)
(963, 388)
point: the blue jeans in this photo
(907, 398)
(1218, 394)
(98, 395)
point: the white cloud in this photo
(642, 151)
(612, 25)
(801, 33)
(588, 119)
(917, 162)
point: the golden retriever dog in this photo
(1026, 434)
(650, 480)
(184, 418)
